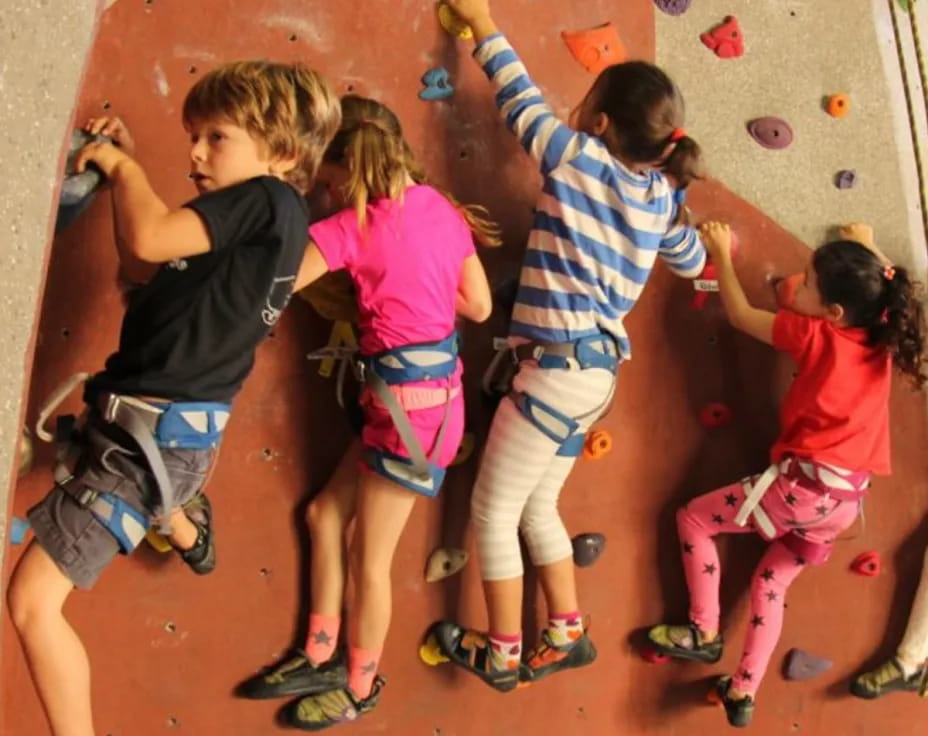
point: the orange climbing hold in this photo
(596, 48)
(597, 445)
(838, 105)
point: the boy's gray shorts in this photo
(109, 462)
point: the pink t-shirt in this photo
(406, 265)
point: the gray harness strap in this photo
(140, 421)
(420, 462)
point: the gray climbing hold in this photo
(77, 190)
(587, 548)
(801, 665)
(846, 179)
(771, 132)
(444, 562)
(673, 7)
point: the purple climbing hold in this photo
(771, 132)
(846, 179)
(673, 7)
(801, 665)
(587, 548)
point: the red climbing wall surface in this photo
(167, 648)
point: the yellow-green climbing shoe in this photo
(317, 712)
(888, 678)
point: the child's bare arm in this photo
(474, 299)
(757, 323)
(312, 267)
(148, 229)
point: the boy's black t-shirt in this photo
(191, 332)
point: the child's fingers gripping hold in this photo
(717, 238)
(470, 10)
(105, 156)
(115, 129)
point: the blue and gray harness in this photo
(384, 372)
(153, 426)
(595, 351)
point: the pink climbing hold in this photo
(771, 132)
(673, 7)
(652, 656)
(726, 39)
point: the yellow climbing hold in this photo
(452, 23)
(158, 541)
(430, 652)
(342, 335)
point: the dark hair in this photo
(882, 299)
(644, 108)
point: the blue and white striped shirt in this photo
(598, 226)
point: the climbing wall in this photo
(167, 648)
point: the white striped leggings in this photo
(521, 474)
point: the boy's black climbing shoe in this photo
(739, 712)
(548, 658)
(201, 557)
(316, 712)
(471, 650)
(296, 675)
(685, 642)
(888, 678)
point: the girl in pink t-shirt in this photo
(851, 316)
(409, 250)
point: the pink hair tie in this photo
(889, 272)
(678, 134)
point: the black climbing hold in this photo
(846, 179)
(588, 548)
(801, 665)
(77, 190)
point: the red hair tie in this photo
(889, 272)
(678, 134)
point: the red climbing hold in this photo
(771, 132)
(867, 564)
(726, 39)
(596, 48)
(715, 415)
(652, 656)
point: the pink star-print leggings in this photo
(796, 508)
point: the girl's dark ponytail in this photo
(901, 327)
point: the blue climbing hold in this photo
(437, 85)
(18, 530)
(78, 190)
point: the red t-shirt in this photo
(837, 409)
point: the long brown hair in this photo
(370, 144)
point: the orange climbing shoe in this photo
(547, 657)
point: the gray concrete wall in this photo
(45, 47)
(797, 52)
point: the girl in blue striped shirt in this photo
(611, 203)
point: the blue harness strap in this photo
(595, 351)
(408, 364)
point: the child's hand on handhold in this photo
(859, 232)
(113, 128)
(471, 11)
(105, 156)
(716, 236)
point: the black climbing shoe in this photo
(201, 557)
(317, 712)
(296, 675)
(471, 650)
(685, 642)
(888, 678)
(548, 658)
(738, 712)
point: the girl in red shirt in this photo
(852, 316)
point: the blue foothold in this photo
(437, 85)
(18, 530)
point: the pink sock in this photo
(322, 638)
(362, 668)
